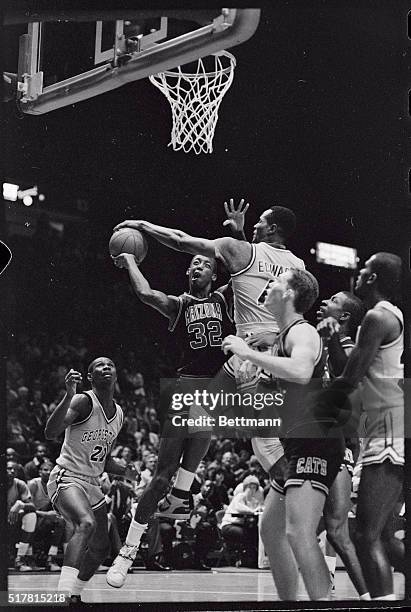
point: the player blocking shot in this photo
(253, 266)
(199, 319)
(91, 421)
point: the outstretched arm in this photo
(298, 367)
(231, 252)
(174, 239)
(166, 304)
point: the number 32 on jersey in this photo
(205, 334)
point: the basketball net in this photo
(195, 99)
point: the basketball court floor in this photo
(224, 584)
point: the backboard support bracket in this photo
(127, 59)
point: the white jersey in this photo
(383, 400)
(382, 385)
(251, 284)
(87, 443)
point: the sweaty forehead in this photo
(202, 258)
(101, 361)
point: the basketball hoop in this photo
(195, 99)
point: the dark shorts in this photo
(315, 460)
(184, 414)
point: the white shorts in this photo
(244, 372)
(268, 451)
(60, 478)
(384, 437)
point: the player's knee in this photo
(297, 533)
(365, 539)
(86, 524)
(28, 522)
(334, 529)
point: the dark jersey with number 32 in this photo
(200, 326)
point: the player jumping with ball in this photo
(200, 319)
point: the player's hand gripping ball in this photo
(127, 240)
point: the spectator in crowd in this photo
(15, 371)
(50, 526)
(11, 455)
(241, 487)
(22, 404)
(146, 439)
(32, 468)
(37, 415)
(11, 397)
(21, 517)
(218, 497)
(60, 393)
(228, 465)
(239, 526)
(17, 434)
(199, 478)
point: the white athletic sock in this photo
(365, 597)
(390, 597)
(78, 586)
(53, 550)
(22, 548)
(135, 531)
(184, 479)
(67, 579)
(331, 563)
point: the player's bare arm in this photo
(370, 338)
(303, 345)
(167, 305)
(234, 254)
(72, 405)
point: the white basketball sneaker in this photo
(117, 574)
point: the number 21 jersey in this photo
(87, 443)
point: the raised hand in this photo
(124, 260)
(72, 379)
(328, 327)
(235, 216)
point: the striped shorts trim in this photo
(298, 482)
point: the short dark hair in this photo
(284, 218)
(90, 365)
(305, 287)
(387, 267)
(355, 307)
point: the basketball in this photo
(127, 240)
